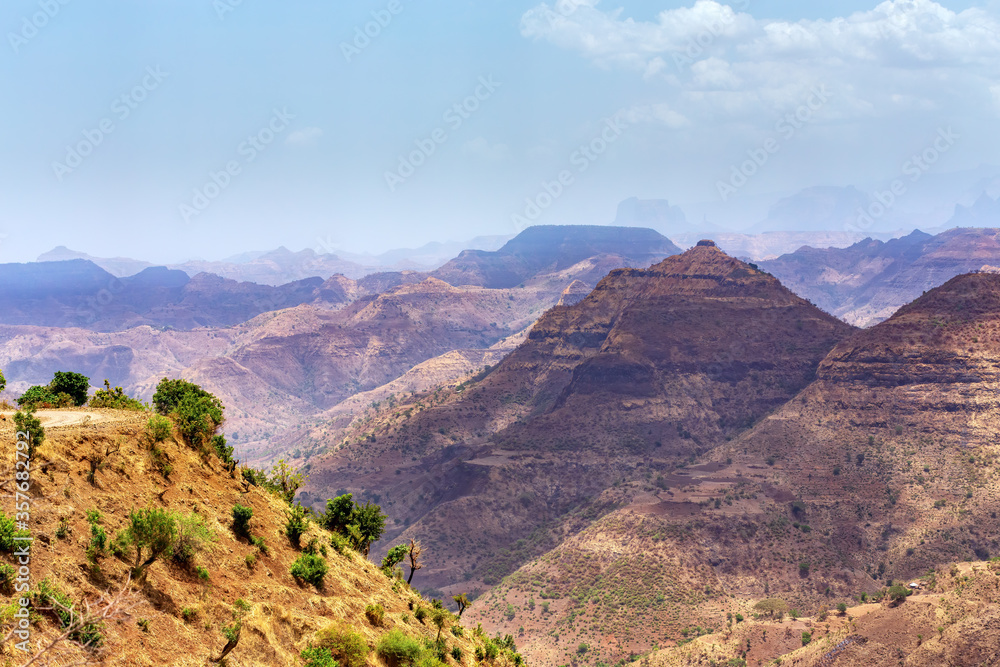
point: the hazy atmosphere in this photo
(122, 121)
(392, 333)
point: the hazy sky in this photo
(167, 129)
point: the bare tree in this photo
(98, 459)
(415, 564)
(109, 607)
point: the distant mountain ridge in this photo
(281, 266)
(868, 281)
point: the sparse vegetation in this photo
(345, 644)
(311, 569)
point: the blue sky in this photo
(212, 128)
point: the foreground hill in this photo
(868, 281)
(176, 612)
(652, 368)
(881, 468)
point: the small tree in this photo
(371, 524)
(339, 513)
(394, 558)
(287, 480)
(151, 531)
(439, 618)
(3, 381)
(75, 384)
(842, 608)
(414, 554)
(463, 602)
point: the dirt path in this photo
(60, 418)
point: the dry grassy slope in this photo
(653, 366)
(283, 615)
(892, 452)
(955, 623)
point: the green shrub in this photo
(842, 608)
(224, 451)
(37, 397)
(8, 530)
(806, 638)
(198, 414)
(375, 614)
(192, 536)
(26, 422)
(114, 398)
(297, 523)
(74, 384)
(310, 568)
(251, 561)
(7, 574)
(189, 613)
(260, 544)
(345, 644)
(456, 653)
(420, 614)
(98, 542)
(340, 544)
(318, 656)
(158, 429)
(198, 418)
(398, 650)
(241, 519)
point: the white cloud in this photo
(307, 136)
(903, 54)
(655, 113)
(482, 149)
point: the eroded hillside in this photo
(881, 469)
